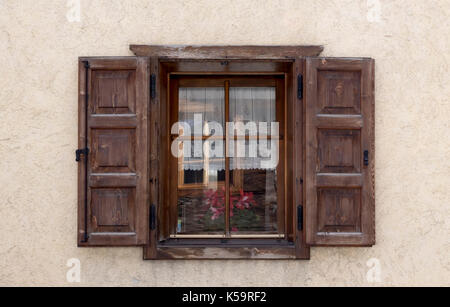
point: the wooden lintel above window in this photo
(226, 52)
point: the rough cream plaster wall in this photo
(38, 133)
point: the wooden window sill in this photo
(219, 249)
(224, 253)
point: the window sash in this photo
(237, 175)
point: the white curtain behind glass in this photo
(247, 104)
(210, 103)
(252, 104)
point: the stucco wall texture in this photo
(39, 48)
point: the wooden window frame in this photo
(226, 60)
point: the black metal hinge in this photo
(152, 217)
(366, 157)
(300, 217)
(153, 86)
(300, 86)
(79, 152)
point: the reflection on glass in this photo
(209, 102)
(201, 196)
(253, 195)
(253, 200)
(201, 174)
(252, 104)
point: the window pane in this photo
(201, 169)
(201, 197)
(254, 196)
(254, 201)
(207, 102)
(193, 176)
(256, 104)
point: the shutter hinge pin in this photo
(300, 86)
(300, 218)
(152, 217)
(79, 152)
(153, 86)
(366, 157)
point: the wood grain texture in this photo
(296, 114)
(226, 52)
(235, 253)
(154, 159)
(117, 179)
(82, 169)
(339, 128)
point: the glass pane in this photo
(201, 169)
(254, 190)
(193, 176)
(201, 197)
(254, 199)
(252, 104)
(207, 103)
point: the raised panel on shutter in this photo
(340, 201)
(113, 181)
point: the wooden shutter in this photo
(340, 152)
(112, 176)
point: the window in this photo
(227, 195)
(226, 152)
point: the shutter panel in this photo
(340, 201)
(113, 179)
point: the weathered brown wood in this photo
(117, 182)
(216, 253)
(269, 79)
(226, 52)
(339, 128)
(232, 236)
(154, 160)
(122, 180)
(339, 121)
(342, 180)
(220, 242)
(163, 152)
(297, 117)
(213, 74)
(111, 63)
(288, 139)
(113, 121)
(228, 67)
(82, 184)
